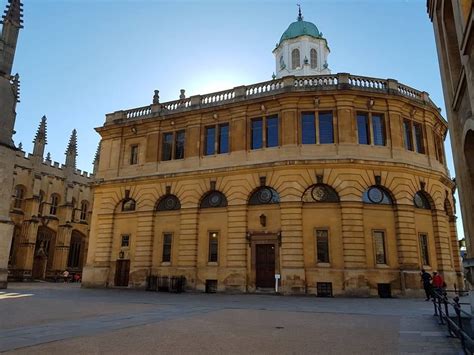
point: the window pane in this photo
(418, 130)
(326, 133)
(179, 148)
(125, 240)
(134, 154)
(272, 131)
(314, 62)
(424, 249)
(322, 246)
(379, 240)
(213, 246)
(308, 128)
(167, 146)
(209, 139)
(295, 59)
(363, 128)
(378, 127)
(257, 127)
(407, 134)
(167, 247)
(223, 138)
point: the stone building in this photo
(453, 23)
(336, 183)
(9, 95)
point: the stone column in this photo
(187, 244)
(61, 249)
(292, 254)
(26, 248)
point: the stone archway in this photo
(75, 260)
(43, 256)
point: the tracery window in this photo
(19, 197)
(420, 200)
(320, 193)
(168, 203)
(264, 195)
(53, 208)
(214, 199)
(377, 195)
(84, 210)
(313, 58)
(295, 58)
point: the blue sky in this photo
(81, 59)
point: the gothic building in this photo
(453, 23)
(44, 206)
(327, 183)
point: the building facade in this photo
(453, 23)
(333, 183)
(9, 97)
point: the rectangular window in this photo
(272, 131)
(439, 148)
(324, 289)
(363, 128)
(167, 146)
(213, 246)
(379, 243)
(424, 249)
(125, 241)
(378, 128)
(407, 134)
(419, 144)
(322, 245)
(326, 131)
(308, 128)
(179, 145)
(257, 130)
(223, 143)
(167, 238)
(210, 140)
(134, 154)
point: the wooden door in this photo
(122, 271)
(265, 265)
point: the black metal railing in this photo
(457, 321)
(174, 284)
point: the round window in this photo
(375, 195)
(215, 200)
(170, 203)
(264, 195)
(319, 193)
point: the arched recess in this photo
(264, 195)
(320, 193)
(423, 200)
(213, 199)
(19, 197)
(128, 205)
(378, 195)
(14, 246)
(44, 251)
(168, 202)
(75, 260)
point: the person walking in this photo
(426, 280)
(438, 282)
(66, 275)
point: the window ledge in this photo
(166, 263)
(323, 264)
(382, 266)
(212, 263)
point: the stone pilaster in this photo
(61, 249)
(143, 245)
(442, 242)
(187, 244)
(236, 242)
(353, 238)
(25, 253)
(453, 237)
(407, 240)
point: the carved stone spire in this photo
(40, 140)
(97, 158)
(71, 152)
(13, 14)
(12, 23)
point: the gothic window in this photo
(214, 199)
(377, 195)
(20, 192)
(41, 197)
(295, 58)
(168, 203)
(264, 195)
(53, 207)
(75, 251)
(420, 200)
(320, 193)
(313, 59)
(84, 210)
(128, 205)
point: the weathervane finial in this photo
(300, 16)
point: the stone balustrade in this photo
(340, 81)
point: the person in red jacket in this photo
(438, 282)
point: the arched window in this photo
(74, 257)
(84, 210)
(53, 207)
(213, 199)
(168, 203)
(282, 63)
(421, 200)
(313, 58)
(128, 205)
(295, 58)
(264, 195)
(320, 193)
(20, 192)
(377, 195)
(41, 196)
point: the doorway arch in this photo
(43, 256)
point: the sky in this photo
(81, 59)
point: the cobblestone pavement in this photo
(44, 318)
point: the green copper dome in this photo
(301, 28)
